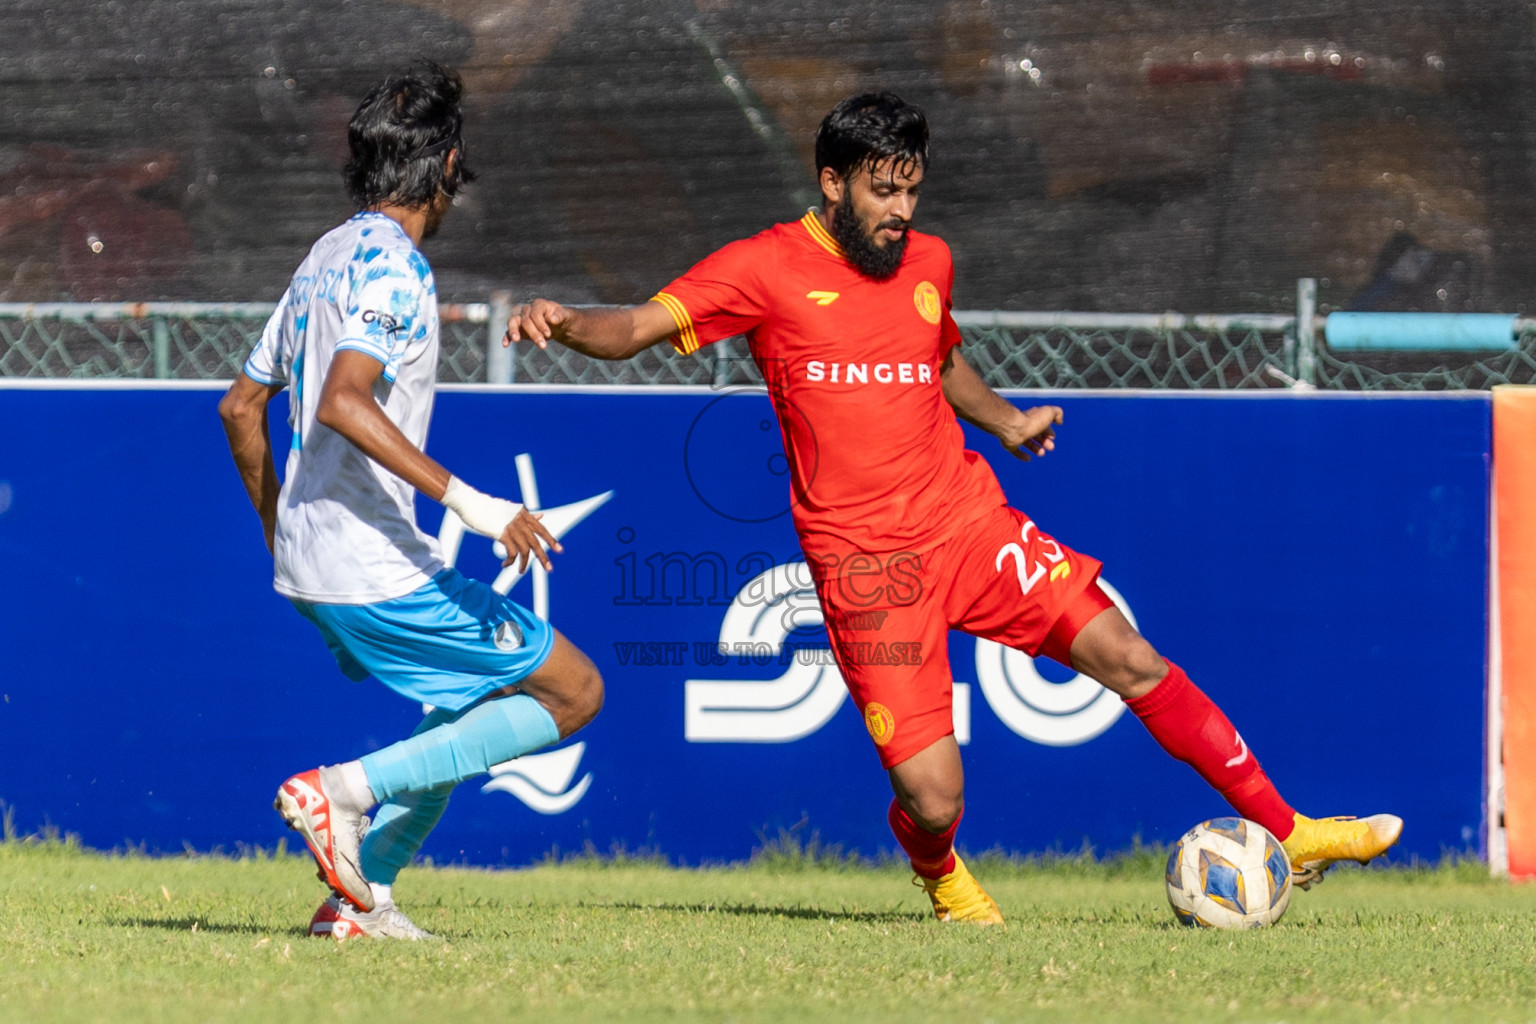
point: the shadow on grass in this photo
(757, 910)
(796, 849)
(185, 924)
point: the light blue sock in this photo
(402, 823)
(400, 826)
(441, 755)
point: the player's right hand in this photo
(524, 538)
(537, 321)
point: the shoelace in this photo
(939, 906)
(975, 899)
(971, 899)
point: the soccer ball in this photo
(1228, 873)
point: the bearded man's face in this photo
(873, 216)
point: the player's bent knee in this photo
(590, 698)
(934, 805)
(582, 697)
(568, 685)
(935, 812)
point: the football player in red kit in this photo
(847, 312)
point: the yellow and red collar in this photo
(819, 234)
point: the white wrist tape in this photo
(480, 512)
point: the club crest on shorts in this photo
(926, 298)
(880, 723)
(508, 636)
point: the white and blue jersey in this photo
(348, 552)
(346, 527)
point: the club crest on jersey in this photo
(880, 723)
(926, 299)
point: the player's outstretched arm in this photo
(348, 407)
(244, 412)
(602, 332)
(1022, 431)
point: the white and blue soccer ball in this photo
(1228, 873)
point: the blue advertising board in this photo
(1318, 564)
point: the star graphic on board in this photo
(559, 521)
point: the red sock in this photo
(1186, 724)
(932, 856)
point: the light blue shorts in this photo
(448, 643)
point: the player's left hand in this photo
(524, 538)
(1032, 432)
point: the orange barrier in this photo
(1514, 656)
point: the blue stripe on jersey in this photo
(297, 444)
(256, 375)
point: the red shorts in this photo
(889, 618)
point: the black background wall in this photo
(1188, 154)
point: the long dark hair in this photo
(401, 136)
(865, 129)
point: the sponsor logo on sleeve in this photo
(386, 323)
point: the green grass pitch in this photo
(86, 937)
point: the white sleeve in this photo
(265, 363)
(386, 311)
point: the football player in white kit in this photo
(355, 342)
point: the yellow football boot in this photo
(1316, 843)
(957, 897)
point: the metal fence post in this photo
(1306, 336)
(722, 365)
(160, 331)
(500, 361)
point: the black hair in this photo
(865, 129)
(401, 136)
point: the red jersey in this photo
(877, 460)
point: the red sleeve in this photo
(721, 296)
(949, 331)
